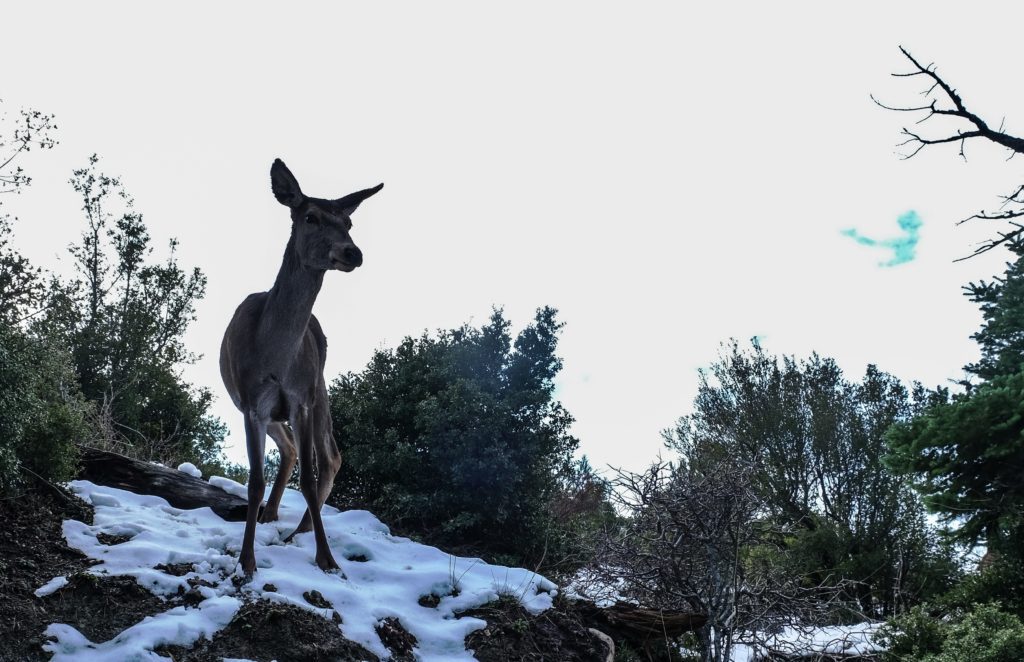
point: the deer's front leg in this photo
(255, 437)
(286, 446)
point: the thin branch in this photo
(957, 109)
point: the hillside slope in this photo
(157, 582)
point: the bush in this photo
(42, 413)
(983, 633)
(1001, 582)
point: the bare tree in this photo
(943, 100)
(695, 540)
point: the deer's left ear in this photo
(285, 186)
(350, 202)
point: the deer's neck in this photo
(290, 302)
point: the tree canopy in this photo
(816, 441)
(458, 436)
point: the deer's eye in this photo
(312, 219)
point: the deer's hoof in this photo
(327, 563)
(268, 516)
(248, 563)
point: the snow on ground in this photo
(384, 576)
(838, 639)
(831, 640)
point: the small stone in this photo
(316, 599)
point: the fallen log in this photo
(179, 488)
(637, 625)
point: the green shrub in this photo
(916, 635)
(984, 633)
(1002, 582)
(42, 413)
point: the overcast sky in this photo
(667, 177)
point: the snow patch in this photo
(51, 586)
(230, 486)
(846, 640)
(180, 626)
(384, 576)
(190, 469)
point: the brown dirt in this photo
(396, 639)
(514, 635)
(32, 553)
(265, 631)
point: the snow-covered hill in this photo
(384, 576)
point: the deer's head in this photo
(321, 228)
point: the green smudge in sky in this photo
(902, 247)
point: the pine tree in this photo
(968, 454)
(457, 437)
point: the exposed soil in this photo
(514, 635)
(265, 631)
(34, 552)
(101, 607)
(396, 639)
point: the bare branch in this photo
(944, 100)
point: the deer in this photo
(272, 363)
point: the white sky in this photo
(668, 177)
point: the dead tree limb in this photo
(943, 100)
(180, 489)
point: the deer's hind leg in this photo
(306, 431)
(286, 447)
(328, 458)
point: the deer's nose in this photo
(350, 255)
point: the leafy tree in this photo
(817, 442)
(457, 437)
(124, 319)
(21, 286)
(42, 413)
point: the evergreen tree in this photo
(457, 437)
(969, 457)
(968, 454)
(1001, 336)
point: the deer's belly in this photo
(271, 402)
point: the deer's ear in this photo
(286, 188)
(350, 202)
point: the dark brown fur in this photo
(272, 361)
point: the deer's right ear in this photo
(286, 188)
